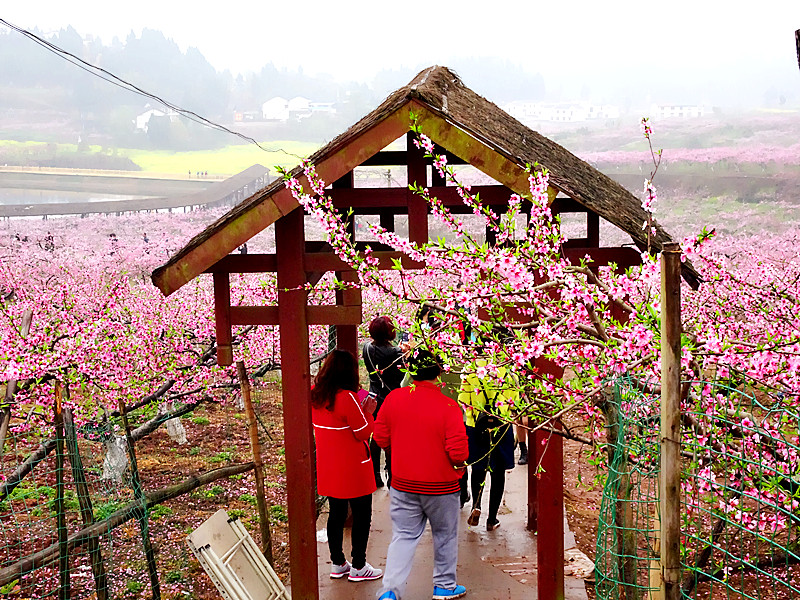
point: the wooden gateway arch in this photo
(469, 130)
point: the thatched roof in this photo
(458, 119)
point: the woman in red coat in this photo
(342, 429)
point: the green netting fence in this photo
(32, 469)
(740, 493)
(82, 516)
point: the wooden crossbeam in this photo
(315, 315)
(313, 262)
(364, 200)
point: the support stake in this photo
(252, 425)
(61, 517)
(670, 499)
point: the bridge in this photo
(208, 192)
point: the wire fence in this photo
(63, 483)
(740, 492)
(82, 517)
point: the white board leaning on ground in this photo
(233, 561)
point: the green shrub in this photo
(174, 576)
(249, 498)
(103, 511)
(278, 513)
(161, 511)
(224, 456)
(134, 587)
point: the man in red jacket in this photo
(425, 430)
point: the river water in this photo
(16, 196)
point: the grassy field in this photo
(224, 161)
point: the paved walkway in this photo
(496, 565)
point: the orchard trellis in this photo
(464, 128)
(738, 497)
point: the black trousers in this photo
(375, 452)
(362, 520)
(497, 479)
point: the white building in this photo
(677, 111)
(299, 108)
(143, 120)
(323, 107)
(528, 112)
(275, 109)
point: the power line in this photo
(113, 79)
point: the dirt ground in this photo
(224, 439)
(218, 437)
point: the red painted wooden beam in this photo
(296, 384)
(548, 452)
(347, 335)
(313, 261)
(364, 200)
(222, 318)
(417, 206)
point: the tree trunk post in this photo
(11, 386)
(252, 425)
(670, 479)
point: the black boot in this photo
(523, 454)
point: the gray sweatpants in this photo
(410, 513)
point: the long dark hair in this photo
(338, 372)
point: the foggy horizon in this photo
(684, 54)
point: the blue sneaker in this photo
(440, 593)
(388, 596)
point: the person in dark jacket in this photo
(342, 428)
(425, 430)
(384, 363)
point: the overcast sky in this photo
(354, 39)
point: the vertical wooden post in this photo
(252, 426)
(593, 229)
(296, 385)
(347, 335)
(670, 480)
(544, 368)
(417, 206)
(138, 493)
(61, 517)
(549, 453)
(85, 503)
(654, 577)
(387, 220)
(533, 485)
(222, 315)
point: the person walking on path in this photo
(425, 430)
(491, 438)
(343, 425)
(384, 362)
